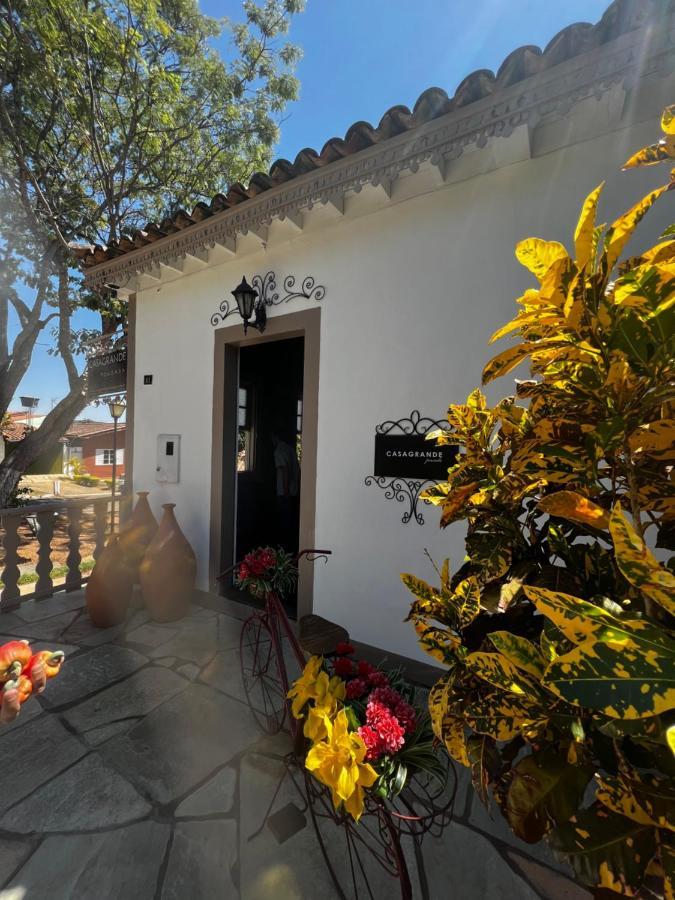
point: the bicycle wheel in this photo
(260, 674)
(365, 859)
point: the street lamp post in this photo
(116, 408)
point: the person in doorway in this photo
(288, 489)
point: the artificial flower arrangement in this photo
(363, 731)
(264, 570)
(23, 673)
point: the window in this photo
(244, 434)
(105, 457)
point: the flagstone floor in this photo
(141, 773)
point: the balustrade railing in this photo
(27, 538)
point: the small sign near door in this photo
(412, 456)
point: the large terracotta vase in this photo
(108, 590)
(137, 533)
(168, 571)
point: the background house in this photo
(88, 441)
(92, 443)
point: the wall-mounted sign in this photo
(412, 456)
(107, 372)
(406, 463)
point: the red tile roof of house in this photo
(621, 17)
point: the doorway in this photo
(226, 482)
(269, 445)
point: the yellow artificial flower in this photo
(328, 692)
(314, 684)
(304, 689)
(338, 762)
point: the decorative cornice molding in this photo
(549, 95)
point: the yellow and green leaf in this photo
(518, 650)
(638, 565)
(619, 678)
(621, 230)
(606, 850)
(538, 255)
(644, 802)
(576, 508)
(656, 439)
(583, 235)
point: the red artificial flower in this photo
(344, 648)
(343, 667)
(243, 571)
(365, 668)
(378, 679)
(374, 745)
(356, 688)
(389, 731)
(400, 707)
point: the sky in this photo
(360, 58)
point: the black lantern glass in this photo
(245, 295)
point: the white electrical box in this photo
(168, 458)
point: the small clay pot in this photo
(168, 571)
(137, 533)
(108, 590)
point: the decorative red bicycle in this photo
(357, 855)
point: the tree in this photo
(113, 113)
(557, 631)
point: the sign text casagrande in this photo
(411, 456)
(107, 372)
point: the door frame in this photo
(228, 341)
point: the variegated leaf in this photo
(466, 601)
(504, 716)
(581, 621)
(501, 672)
(616, 676)
(576, 508)
(648, 156)
(606, 850)
(657, 439)
(437, 642)
(638, 565)
(538, 255)
(668, 120)
(506, 360)
(621, 230)
(519, 651)
(544, 789)
(447, 727)
(485, 763)
(649, 804)
(583, 235)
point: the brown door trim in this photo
(228, 340)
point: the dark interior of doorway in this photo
(269, 447)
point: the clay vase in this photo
(137, 533)
(168, 571)
(108, 590)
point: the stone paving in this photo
(141, 772)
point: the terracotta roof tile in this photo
(620, 17)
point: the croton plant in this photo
(557, 629)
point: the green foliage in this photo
(113, 114)
(557, 630)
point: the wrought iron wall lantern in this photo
(252, 300)
(246, 296)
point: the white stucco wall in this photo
(414, 290)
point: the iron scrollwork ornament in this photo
(269, 295)
(406, 490)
